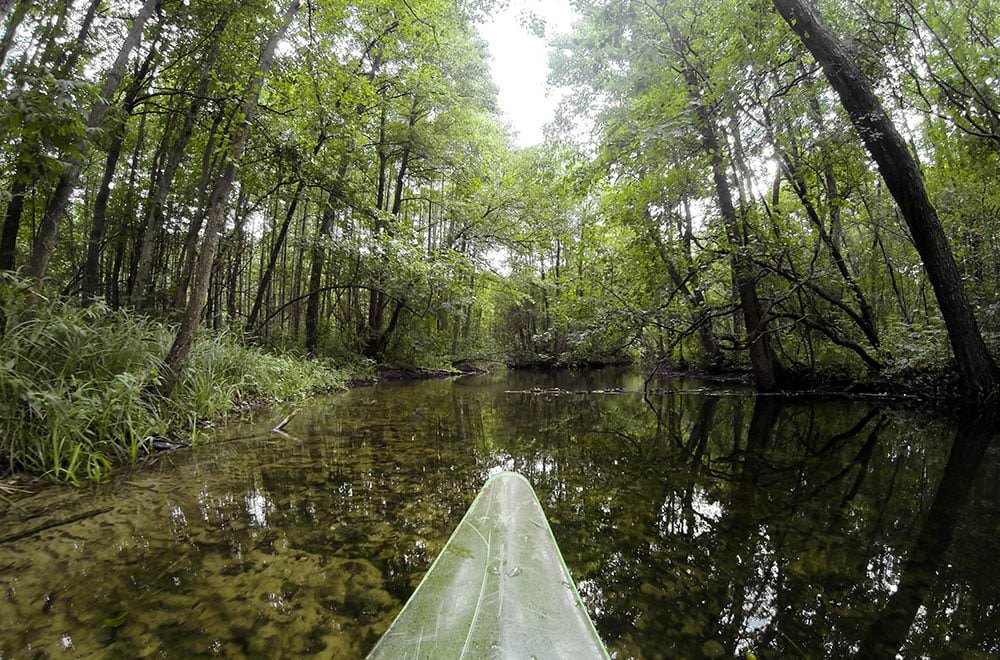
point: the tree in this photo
(177, 358)
(45, 242)
(902, 176)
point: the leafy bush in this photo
(919, 349)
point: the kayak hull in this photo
(499, 589)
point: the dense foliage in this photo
(332, 178)
(814, 230)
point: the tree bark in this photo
(899, 170)
(45, 242)
(177, 358)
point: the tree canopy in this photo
(335, 178)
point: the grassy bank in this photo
(74, 385)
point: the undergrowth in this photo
(74, 384)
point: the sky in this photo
(520, 64)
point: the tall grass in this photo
(74, 383)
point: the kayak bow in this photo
(499, 589)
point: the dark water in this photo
(696, 524)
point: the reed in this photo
(75, 383)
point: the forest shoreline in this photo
(936, 391)
(940, 390)
(17, 482)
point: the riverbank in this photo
(76, 383)
(75, 388)
(937, 389)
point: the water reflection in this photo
(920, 572)
(697, 525)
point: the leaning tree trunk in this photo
(10, 30)
(899, 170)
(45, 242)
(278, 246)
(272, 261)
(189, 251)
(177, 358)
(63, 61)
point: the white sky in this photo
(520, 64)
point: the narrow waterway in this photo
(698, 521)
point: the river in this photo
(699, 521)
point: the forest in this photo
(285, 283)
(211, 203)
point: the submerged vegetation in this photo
(802, 192)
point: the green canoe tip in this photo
(498, 589)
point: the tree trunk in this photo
(316, 278)
(788, 163)
(165, 181)
(142, 226)
(12, 220)
(26, 169)
(296, 307)
(899, 170)
(177, 358)
(762, 360)
(268, 274)
(189, 250)
(12, 25)
(272, 262)
(316, 262)
(45, 242)
(95, 242)
(5, 7)
(695, 297)
(70, 57)
(126, 226)
(239, 241)
(376, 300)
